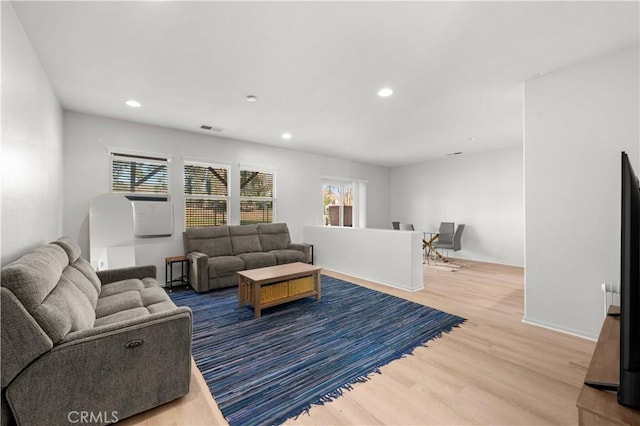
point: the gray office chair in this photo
(455, 243)
(395, 225)
(445, 234)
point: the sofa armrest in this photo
(112, 275)
(307, 249)
(18, 327)
(198, 271)
(117, 371)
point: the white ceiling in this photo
(456, 68)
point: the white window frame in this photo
(359, 205)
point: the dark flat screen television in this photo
(628, 388)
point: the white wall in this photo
(392, 258)
(484, 191)
(577, 121)
(298, 187)
(32, 147)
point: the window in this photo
(206, 195)
(257, 196)
(338, 204)
(140, 177)
(344, 203)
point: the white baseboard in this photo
(386, 284)
(565, 330)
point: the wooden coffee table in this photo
(274, 285)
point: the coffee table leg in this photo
(316, 279)
(256, 300)
(241, 290)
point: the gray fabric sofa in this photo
(216, 253)
(77, 344)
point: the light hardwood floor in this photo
(493, 370)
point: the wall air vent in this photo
(211, 128)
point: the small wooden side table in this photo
(168, 271)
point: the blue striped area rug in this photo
(267, 370)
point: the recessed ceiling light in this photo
(286, 135)
(385, 92)
(133, 103)
(251, 98)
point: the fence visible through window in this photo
(206, 189)
(256, 212)
(338, 204)
(200, 212)
(257, 195)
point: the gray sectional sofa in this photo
(216, 253)
(77, 344)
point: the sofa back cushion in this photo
(73, 252)
(274, 236)
(32, 277)
(210, 240)
(70, 247)
(87, 270)
(65, 309)
(76, 277)
(244, 239)
(59, 297)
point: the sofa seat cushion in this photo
(132, 298)
(160, 307)
(289, 256)
(258, 260)
(120, 287)
(225, 265)
(122, 316)
(152, 295)
(118, 302)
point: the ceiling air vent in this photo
(211, 128)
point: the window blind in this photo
(140, 175)
(206, 180)
(206, 190)
(256, 184)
